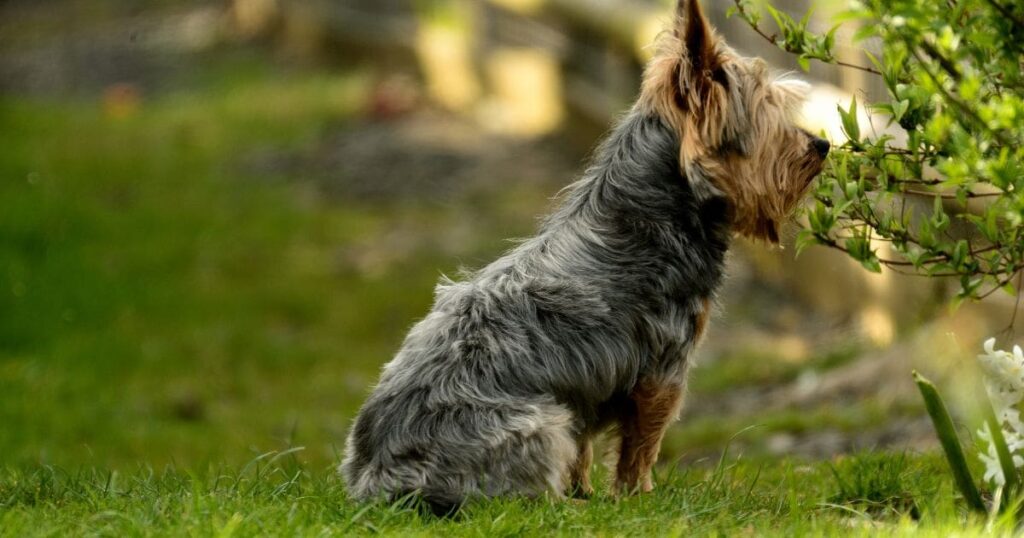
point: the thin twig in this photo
(1006, 13)
(1016, 303)
(852, 66)
(916, 181)
(829, 242)
(999, 285)
(947, 65)
(949, 196)
(772, 39)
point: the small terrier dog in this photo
(590, 324)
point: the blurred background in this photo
(219, 217)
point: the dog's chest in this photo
(671, 336)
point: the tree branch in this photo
(1006, 13)
(949, 196)
(772, 39)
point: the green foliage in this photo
(953, 134)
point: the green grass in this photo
(276, 495)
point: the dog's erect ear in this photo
(701, 64)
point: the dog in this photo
(589, 325)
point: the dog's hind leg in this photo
(522, 449)
(540, 453)
(655, 405)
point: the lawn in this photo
(276, 495)
(187, 327)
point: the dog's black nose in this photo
(821, 146)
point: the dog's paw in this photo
(582, 492)
(622, 489)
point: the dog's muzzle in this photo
(821, 146)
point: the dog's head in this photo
(735, 123)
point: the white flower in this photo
(1004, 382)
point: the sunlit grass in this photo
(276, 494)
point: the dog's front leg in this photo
(655, 404)
(579, 480)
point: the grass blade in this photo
(950, 442)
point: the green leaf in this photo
(857, 247)
(926, 234)
(851, 190)
(849, 120)
(804, 239)
(961, 195)
(946, 433)
(914, 256)
(778, 16)
(807, 17)
(753, 14)
(1003, 451)
(899, 108)
(939, 218)
(872, 264)
(956, 302)
(991, 230)
(871, 57)
(821, 219)
(830, 39)
(959, 253)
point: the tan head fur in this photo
(735, 123)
